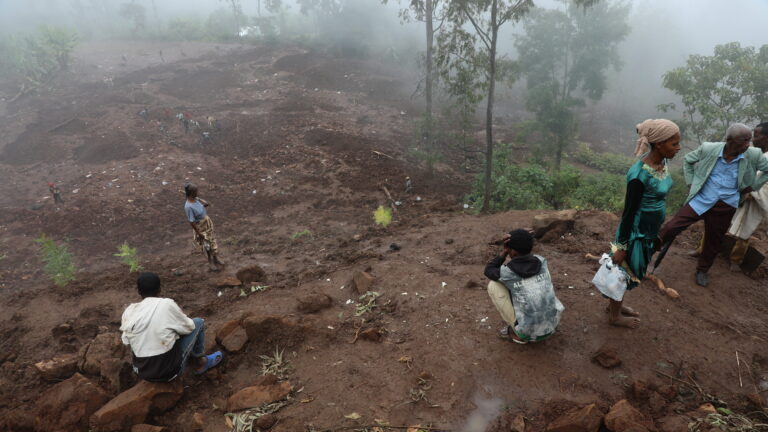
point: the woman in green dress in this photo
(648, 181)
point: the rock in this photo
(266, 421)
(448, 241)
(657, 403)
(235, 340)
(198, 422)
(586, 419)
(227, 328)
(755, 400)
(67, 405)
(104, 346)
(394, 247)
(117, 373)
(673, 423)
(134, 405)
(315, 302)
(178, 273)
(147, 428)
(357, 237)
(362, 282)
(266, 380)
(228, 282)
(518, 423)
(623, 417)
(58, 368)
(639, 390)
(372, 334)
(254, 396)
(606, 358)
(250, 274)
(552, 225)
(668, 391)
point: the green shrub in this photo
(129, 257)
(58, 261)
(383, 216)
(610, 162)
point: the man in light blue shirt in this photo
(719, 174)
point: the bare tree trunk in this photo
(489, 109)
(559, 153)
(428, 89)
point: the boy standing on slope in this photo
(522, 291)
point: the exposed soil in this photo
(294, 176)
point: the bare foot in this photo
(626, 311)
(628, 322)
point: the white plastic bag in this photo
(610, 279)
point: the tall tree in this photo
(135, 13)
(237, 11)
(469, 61)
(717, 90)
(429, 12)
(564, 55)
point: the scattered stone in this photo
(104, 346)
(623, 417)
(394, 247)
(117, 373)
(362, 282)
(178, 273)
(68, 404)
(134, 405)
(755, 400)
(673, 423)
(58, 368)
(471, 284)
(255, 396)
(315, 302)
(147, 428)
(668, 391)
(357, 237)
(640, 390)
(265, 422)
(449, 241)
(235, 340)
(550, 226)
(198, 421)
(606, 358)
(250, 274)
(586, 419)
(228, 282)
(518, 423)
(372, 334)
(657, 403)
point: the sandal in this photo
(516, 339)
(211, 360)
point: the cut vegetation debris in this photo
(275, 365)
(301, 234)
(367, 303)
(243, 421)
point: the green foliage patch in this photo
(57, 259)
(383, 216)
(129, 257)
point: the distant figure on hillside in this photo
(522, 291)
(161, 337)
(408, 185)
(753, 211)
(202, 226)
(720, 175)
(56, 192)
(144, 113)
(645, 207)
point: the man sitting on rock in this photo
(522, 291)
(161, 337)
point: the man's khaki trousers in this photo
(500, 297)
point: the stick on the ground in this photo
(686, 383)
(389, 196)
(662, 287)
(382, 154)
(738, 368)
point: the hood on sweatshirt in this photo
(137, 317)
(525, 265)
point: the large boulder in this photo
(134, 405)
(623, 417)
(586, 419)
(58, 368)
(103, 347)
(255, 396)
(314, 302)
(267, 332)
(67, 405)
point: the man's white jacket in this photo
(152, 326)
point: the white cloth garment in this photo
(749, 216)
(152, 326)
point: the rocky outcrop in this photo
(67, 405)
(134, 405)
